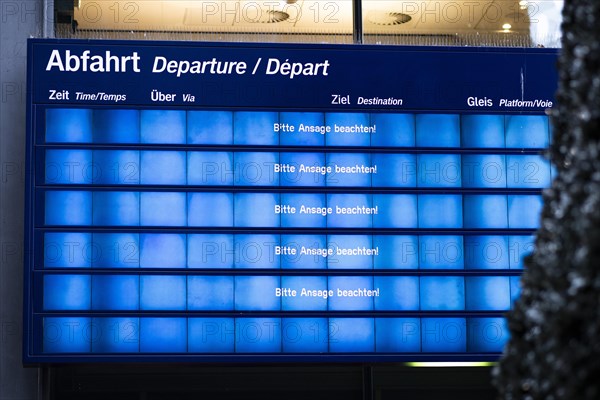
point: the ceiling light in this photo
(506, 27)
(387, 18)
(449, 364)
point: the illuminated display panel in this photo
(161, 231)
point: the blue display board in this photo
(227, 202)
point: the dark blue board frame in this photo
(134, 263)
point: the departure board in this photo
(230, 202)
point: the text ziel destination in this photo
(107, 62)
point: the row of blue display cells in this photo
(75, 334)
(291, 210)
(265, 251)
(274, 293)
(132, 167)
(309, 129)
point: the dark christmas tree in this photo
(554, 351)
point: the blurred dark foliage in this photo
(554, 351)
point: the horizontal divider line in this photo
(275, 314)
(289, 189)
(293, 149)
(278, 272)
(286, 231)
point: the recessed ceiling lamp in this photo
(271, 17)
(506, 27)
(387, 18)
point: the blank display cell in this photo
(388, 211)
(162, 292)
(486, 252)
(255, 169)
(444, 335)
(116, 209)
(163, 250)
(211, 335)
(441, 252)
(116, 126)
(208, 168)
(484, 171)
(68, 167)
(351, 335)
(116, 167)
(257, 251)
(485, 211)
(257, 293)
(210, 127)
(116, 335)
(69, 125)
(442, 293)
(396, 252)
(163, 209)
(210, 293)
(210, 209)
(482, 131)
(66, 335)
(393, 130)
(397, 293)
(258, 335)
(305, 335)
(163, 335)
(255, 128)
(440, 211)
(67, 292)
(398, 335)
(487, 293)
(115, 292)
(210, 251)
(68, 208)
(116, 250)
(438, 130)
(68, 250)
(439, 170)
(527, 131)
(256, 210)
(487, 335)
(394, 170)
(163, 126)
(524, 211)
(163, 168)
(527, 172)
